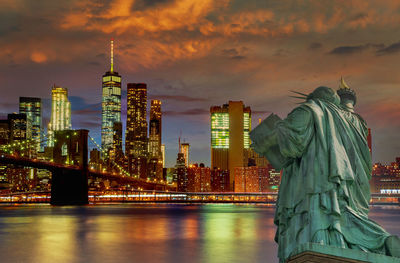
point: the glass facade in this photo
(246, 129)
(136, 122)
(60, 113)
(111, 108)
(32, 108)
(220, 130)
(155, 130)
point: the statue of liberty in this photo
(324, 192)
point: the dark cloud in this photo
(393, 48)
(238, 57)
(235, 53)
(315, 46)
(187, 112)
(358, 17)
(347, 50)
(144, 4)
(177, 98)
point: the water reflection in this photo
(145, 233)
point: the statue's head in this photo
(347, 96)
(326, 94)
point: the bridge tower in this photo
(70, 186)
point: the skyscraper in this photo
(136, 123)
(155, 130)
(111, 104)
(230, 127)
(163, 154)
(181, 173)
(60, 113)
(32, 108)
(184, 148)
(116, 153)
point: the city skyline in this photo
(226, 51)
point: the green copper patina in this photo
(324, 192)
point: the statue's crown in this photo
(345, 92)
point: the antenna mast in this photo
(112, 55)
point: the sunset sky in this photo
(197, 53)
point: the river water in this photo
(147, 233)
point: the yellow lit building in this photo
(230, 141)
(60, 113)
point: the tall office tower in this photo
(163, 154)
(111, 104)
(136, 123)
(19, 126)
(184, 148)
(116, 153)
(230, 141)
(32, 108)
(181, 173)
(155, 130)
(60, 113)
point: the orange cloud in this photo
(38, 57)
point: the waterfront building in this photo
(155, 130)
(136, 123)
(111, 104)
(199, 178)
(4, 132)
(257, 179)
(60, 118)
(219, 180)
(230, 141)
(115, 153)
(163, 154)
(32, 108)
(19, 126)
(181, 173)
(184, 148)
(136, 142)
(386, 178)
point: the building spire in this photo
(112, 55)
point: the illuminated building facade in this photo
(155, 130)
(32, 108)
(386, 178)
(219, 180)
(184, 148)
(111, 104)
(60, 113)
(252, 179)
(163, 154)
(230, 141)
(181, 173)
(199, 178)
(4, 132)
(136, 142)
(20, 127)
(116, 153)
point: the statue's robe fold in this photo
(324, 191)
